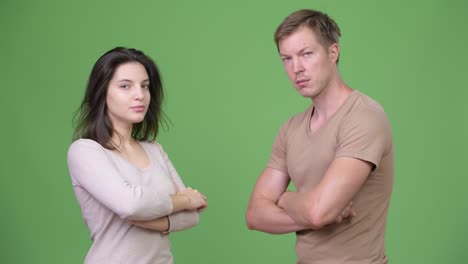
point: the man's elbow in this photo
(254, 222)
(251, 219)
(318, 218)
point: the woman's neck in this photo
(122, 137)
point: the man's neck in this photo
(330, 100)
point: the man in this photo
(338, 153)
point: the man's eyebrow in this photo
(300, 51)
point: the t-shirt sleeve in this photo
(365, 135)
(184, 219)
(91, 169)
(279, 150)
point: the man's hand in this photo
(348, 212)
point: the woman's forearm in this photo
(160, 224)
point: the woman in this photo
(128, 190)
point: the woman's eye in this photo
(307, 54)
(125, 86)
(145, 86)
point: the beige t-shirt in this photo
(110, 190)
(359, 129)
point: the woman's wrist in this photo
(168, 222)
(180, 202)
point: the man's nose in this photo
(297, 66)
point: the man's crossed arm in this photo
(274, 210)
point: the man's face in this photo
(309, 65)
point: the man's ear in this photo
(334, 52)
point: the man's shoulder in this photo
(297, 119)
(363, 102)
(365, 114)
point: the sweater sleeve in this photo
(183, 219)
(91, 169)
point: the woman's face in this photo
(128, 95)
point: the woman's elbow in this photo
(195, 219)
(128, 211)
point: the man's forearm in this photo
(293, 203)
(268, 217)
(303, 208)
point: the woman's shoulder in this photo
(155, 148)
(152, 145)
(85, 142)
(83, 146)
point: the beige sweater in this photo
(110, 190)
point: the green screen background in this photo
(227, 95)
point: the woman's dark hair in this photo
(92, 121)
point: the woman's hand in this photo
(196, 200)
(188, 199)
